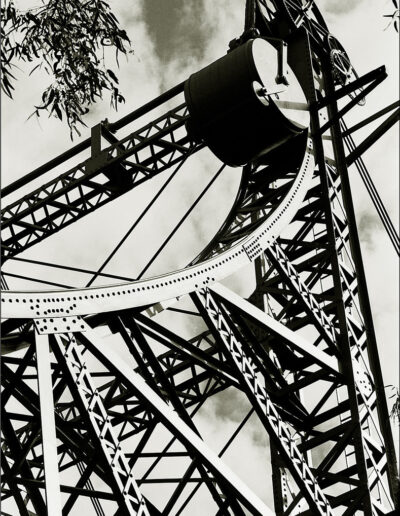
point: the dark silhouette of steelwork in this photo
(81, 423)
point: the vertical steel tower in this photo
(96, 425)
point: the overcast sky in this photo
(171, 40)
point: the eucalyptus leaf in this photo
(68, 37)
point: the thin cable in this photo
(182, 220)
(369, 184)
(373, 193)
(69, 268)
(168, 445)
(220, 454)
(19, 276)
(134, 225)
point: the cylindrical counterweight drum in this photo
(232, 104)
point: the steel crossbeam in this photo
(363, 376)
(308, 303)
(49, 442)
(163, 411)
(100, 179)
(129, 495)
(240, 355)
(286, 269)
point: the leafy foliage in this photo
(69, 39)
(394, 17)
(395, 410)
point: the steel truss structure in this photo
(81, 426)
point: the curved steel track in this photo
(243, 249)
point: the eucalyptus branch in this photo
(395, 410)
(66, 37)
(394, 17)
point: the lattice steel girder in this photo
(193, 385)
(11, 442)
(78, 422)
(363, 341)
(198, 362)
(130, 497)
(69, 436)
(335, 301)
(288, 274)
(276, 254)
(342, 435)
(176, 425)
(97, 181)
(340, 311)
(151, 369)
(182, 358)
(239, 353)
(299, 343)
(363, 378)
(63, 408)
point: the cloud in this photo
(368, 224)
(169, 25)
(230, 405)
(339, 7)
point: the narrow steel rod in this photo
(51, 283)
(3, 282)
(69, 268)
(340, 113)
(134, 225)
(368, 182)
(164, 97)
(373, 137)
(168, 445)
(371, 118)
(374, 195)
(352, 86)
(220, 454)
(70, 153)
(182, 220)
